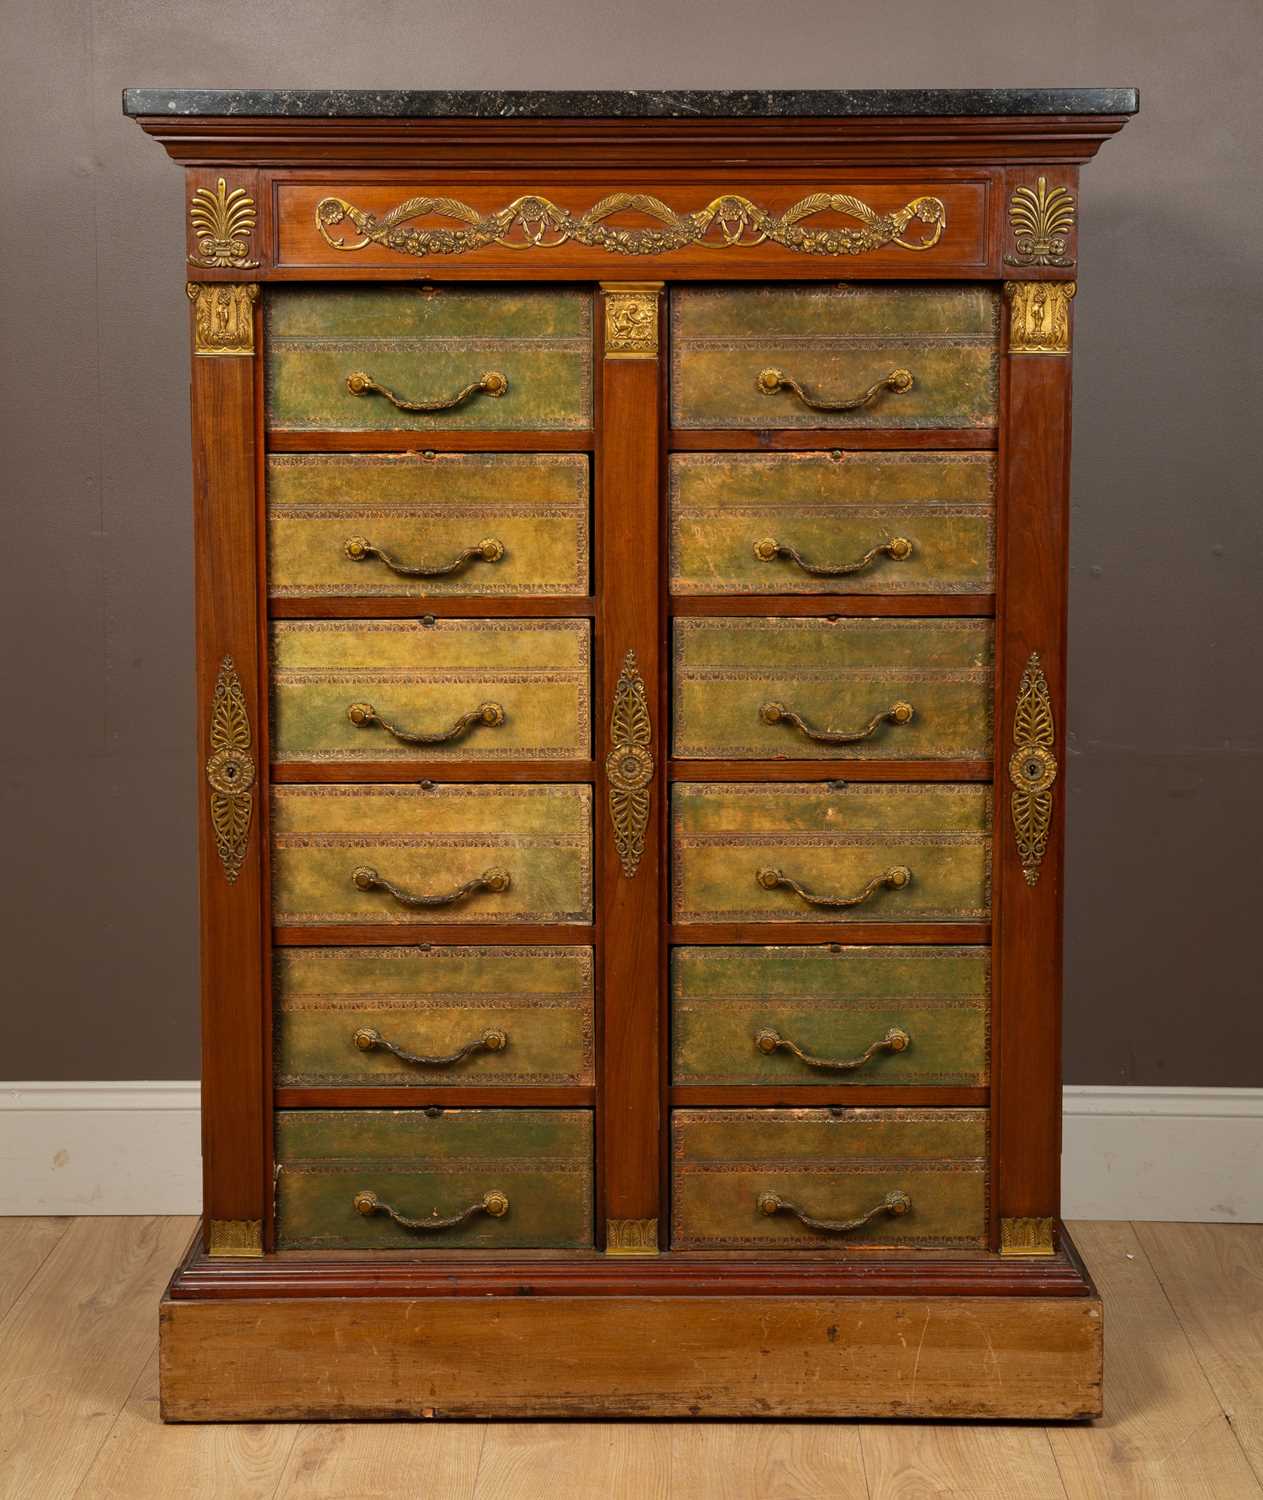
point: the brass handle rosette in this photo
(494, 1203)
(365, 716)
(769, 1041)
(896, 1204)
(898, 382)
(897, 878)
(898, 713)
(491, 383)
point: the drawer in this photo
(430, 853)
(832, 523)
(830, 852)
(830, 1015)
(385, 1017)
(490, 359)
(888, 689)
(372, 690)
(363, 525)
(860, 356)
(383, 1179)
(828, 1179)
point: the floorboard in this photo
(1212, 1275)
(1163, 1433)
(25, 1244)
(772, 1461)
(75, 1342)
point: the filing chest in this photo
(631, 681)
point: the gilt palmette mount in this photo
(730, 221)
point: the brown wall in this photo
(98, 777)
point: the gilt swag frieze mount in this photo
(731, 221)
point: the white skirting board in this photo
(1129, 1153)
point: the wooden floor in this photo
(79, 1403)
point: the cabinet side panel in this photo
(1030, 781)
(233, 761)
(631, 747)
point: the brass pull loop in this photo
(897, 382)
(895, 1204)
(895, 1040)
(777, 713)
(894, 879)
(367, 879)
(495, 1203)
(360, 549)
(364, 716)
(492, 383)
(493, 1040)
(768, 549)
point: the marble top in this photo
(550, 104)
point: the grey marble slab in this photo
(626, 104)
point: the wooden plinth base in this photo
(291, 1357)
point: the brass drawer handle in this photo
(494, 1203)
(897, 382)
(360, 549)
(493, 1040)
(895, 1040)
(768, 549)
(777, 713)
(367, 879)
(894, 879)
(364, 716)
(492, 383)
(895, 1204)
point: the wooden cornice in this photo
(685, 147)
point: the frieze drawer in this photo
(830, 852)
(365, 525)
(830, 1015)
(832, 523)
(374, 690)
(885, 689)
(828, 1179)
(433, 1016)
(427, 853)
(902, 357)
(487, 1179)
(417, 357)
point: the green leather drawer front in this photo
(780, 523)
(501, 689)
(523, 516)
(432, 841)
(767, 689)
(532, 1167)
(426, 344)
(835, 1166)
(485, 1017)
(836, 341)
(861, 1015)
(835, 840)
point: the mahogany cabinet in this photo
(631, 582)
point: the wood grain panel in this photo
(820, 1357)
(236, 1161)
(629, 578)
(1032, 544)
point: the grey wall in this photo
(98, 779)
